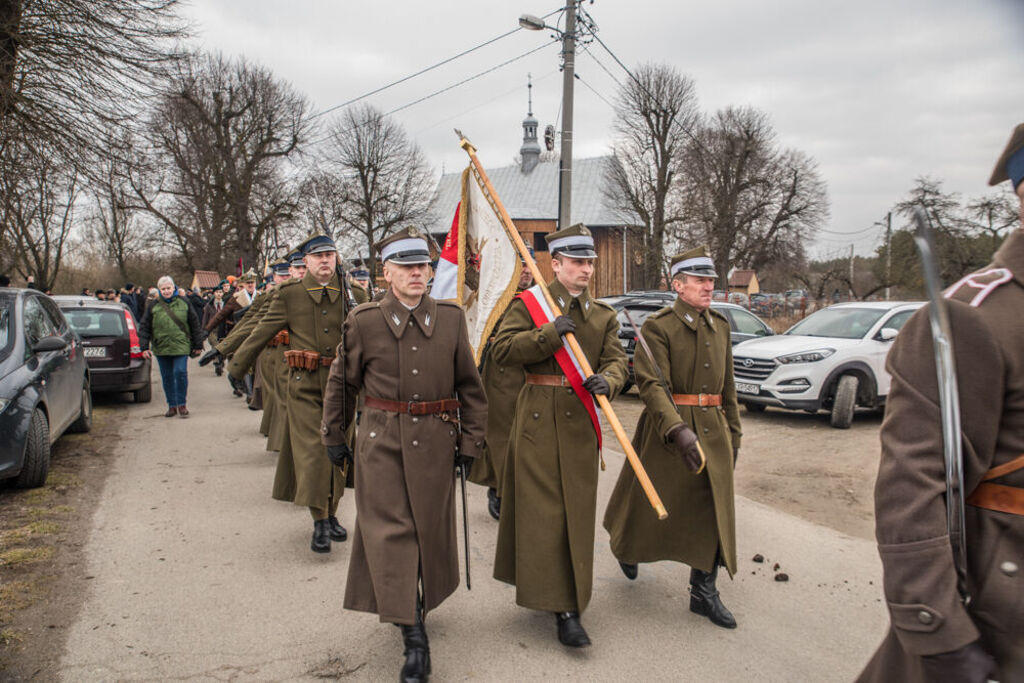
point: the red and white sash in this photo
(541, 314)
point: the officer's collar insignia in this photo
(394, 316)
(561, 302)
(426, 320)
(586, 305)
(688, 317)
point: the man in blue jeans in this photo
(172, 327)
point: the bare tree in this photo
(385, 181)
(751, 202)
(219, 139)
(37, 203)
(653, 116)
(72, 69)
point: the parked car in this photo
(44, 384)
(111, 345)
(834, 359)
(743, 324)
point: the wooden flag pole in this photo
(570, 338)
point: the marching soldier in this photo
(360, 278)
(934, 635)
(693, 354)
(502, 385)
(312, 311)
(424, 412)
(549, 486)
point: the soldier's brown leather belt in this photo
(307, 360)
(281, 338)
(697, 399)
(547, 380)
(445, 405)
(999, 497)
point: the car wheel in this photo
(84, 422)
(755, 407)
(143, 395)
(37, 453)
(845, 402)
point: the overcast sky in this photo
(878, 91)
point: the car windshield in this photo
(96, 322)
(6, 335)
(845, 323)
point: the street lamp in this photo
(534, 23)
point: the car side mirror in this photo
(888, 334)
(49, 344)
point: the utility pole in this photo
(851, 272)
(568, 81)
(888, 253)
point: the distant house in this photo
(529, 191)
(744, 281)
(205, 279)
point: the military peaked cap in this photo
(280, 267)
(248, 276)
(574, 241)
(693, 262)
(1011, 162)
(295, 258)
(406, 247)
(317, 244)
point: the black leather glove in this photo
(969, 664)
(465, 462)
(564, 325)
(209, 357)
(684, 443)
(597, 384)
(340, 455)
(203, 334)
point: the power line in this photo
(437, 92)
(591, 88)
(423, 71)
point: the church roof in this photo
(534, 195)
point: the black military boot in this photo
(338, 532)
(629, 570)
(417, 653)
(570, 630)
(493, 503)
(704, 598)
(321, 542)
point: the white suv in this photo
(832, 359)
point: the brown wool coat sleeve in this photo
(346, 376)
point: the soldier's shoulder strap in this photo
(660, 313)
(363, 308)
(449, 304)
(604, 304)
(976, 287)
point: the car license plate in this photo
(95, 352)
(746, 388)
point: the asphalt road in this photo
(193, 572)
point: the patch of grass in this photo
(22, 534)
(50, 511)
(62, 479)
(9, 637)
(36, 496)
(43, 528)
(19, 556)
(16, 595)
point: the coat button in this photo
(568, 390)
(705, 409)
(410, 323)
(415, 348)
(324, 312)
(704, 387)
(536, 416)
(373, 435)
(415, 397)
(707, 343)
(705, 430)
(415, 420)
(568, 413)
(541, 339)
(501, 369)
(1008, 568)
(925, 617)
(707, 365)
(415, 371)
(325, 329)
(415, 443)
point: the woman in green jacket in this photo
(172, 328)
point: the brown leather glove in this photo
(969, 664)
(684, 442)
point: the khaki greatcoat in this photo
(549, 487)
(694, 352)
(927, 616)
(313, 317)
(404, 465)
(502, 384)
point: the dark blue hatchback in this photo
(44, 384)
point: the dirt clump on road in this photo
(42, 532)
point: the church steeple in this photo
(530, 151)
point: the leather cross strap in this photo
(697, 399)
(445, 405)
(548, 380)
(998, 497)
